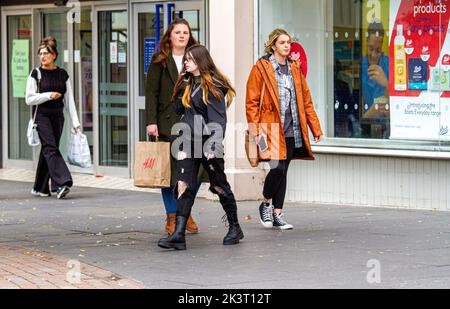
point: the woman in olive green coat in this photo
(162, 75)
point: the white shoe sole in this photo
(267, 225)
(284, 227)
(35, 193)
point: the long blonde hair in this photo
(210, 76)
(272, 40)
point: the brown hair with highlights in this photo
(49, 43)
(165, 44)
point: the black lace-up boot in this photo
(234, 230)
(176, 240)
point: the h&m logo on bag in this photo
(149, 163)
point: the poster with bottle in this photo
(419, 92)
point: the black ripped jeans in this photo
(187, 171)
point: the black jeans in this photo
(187, 171)
(51, 164)
(276, 181)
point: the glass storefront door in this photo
(75, 56)
(82, 83)
(113, 88)
(55, 24)
(150, 20)
(74, 40)
(19, 64)
(108, 83)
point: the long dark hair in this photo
(165, 45)
(210, 77)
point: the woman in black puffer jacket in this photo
(201, 96)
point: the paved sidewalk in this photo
(330, 246)
(92, 181)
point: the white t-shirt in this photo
(178, 62)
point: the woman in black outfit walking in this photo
(201, 96)
(49, 91)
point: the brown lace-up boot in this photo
(170, 224)
(191, 226)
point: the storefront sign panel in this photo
(419, 50)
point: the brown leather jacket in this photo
(268, 121)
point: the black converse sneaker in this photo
(266, 215)
(280, 223)
(62, 192)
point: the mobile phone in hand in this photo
(262, 143)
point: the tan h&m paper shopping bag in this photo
(152, 165)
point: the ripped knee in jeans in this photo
(181, 188)
(220, 191)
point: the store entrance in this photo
(25, 29)
(75, 56)
(150, 21)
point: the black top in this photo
(52, 81)
(284, 68)
(204, 119)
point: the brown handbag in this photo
(251, 147)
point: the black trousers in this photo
(51, 164)
(187, 171)
(276, 181)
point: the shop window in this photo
(379, 70)
(361, 70)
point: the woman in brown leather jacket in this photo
(280, 124)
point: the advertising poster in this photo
(86, 71)
(149, 51)
(113, 52)
(20, 67)
(419, 50)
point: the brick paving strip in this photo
(23, 268)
